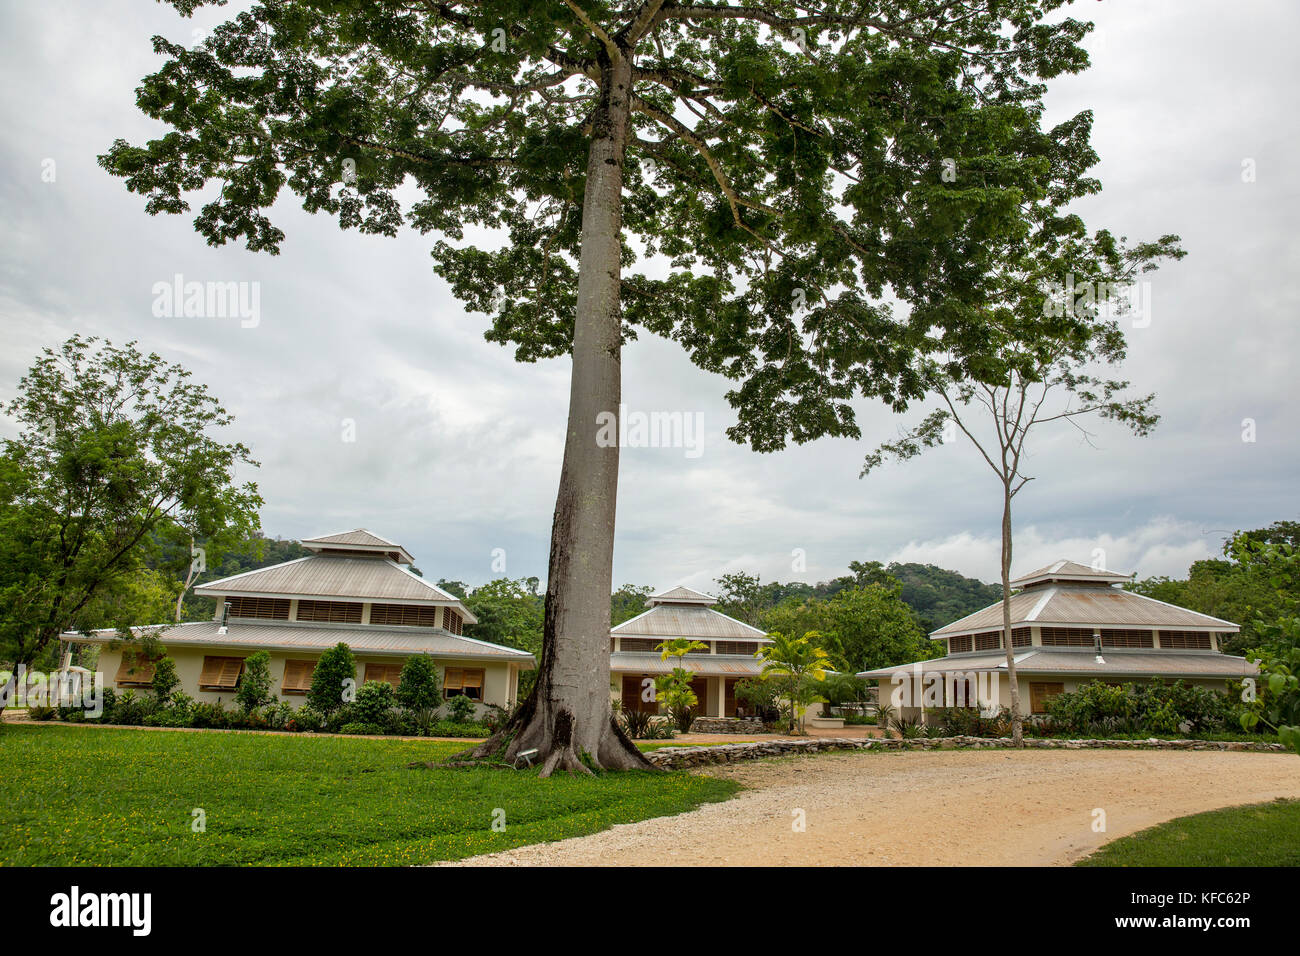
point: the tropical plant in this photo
(673, 690)
(798, 665)
(375, 699)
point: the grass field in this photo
(102, 796)
(1264, 834)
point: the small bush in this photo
(448, 728)
(374, 701)
(418, 692)
(460, 709)
(306, 719)
(255, 685)
(335, 667)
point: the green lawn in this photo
(1264, 834)
(93, 796)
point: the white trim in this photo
(1048, 594)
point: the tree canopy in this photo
(118, 450)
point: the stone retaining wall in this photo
(676, 758)
(726, 725)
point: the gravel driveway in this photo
(929, 808)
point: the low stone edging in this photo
(726, 725)
(677, 758)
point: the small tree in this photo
(334, 681)
(165, 680)
(419, 693)
(1036, 363)
(799, 664)
(254, 689)
(673, 689)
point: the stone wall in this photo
(676, 758)
(726, 725)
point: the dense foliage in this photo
(116, 452)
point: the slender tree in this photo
(770, 159)
(1037, 362)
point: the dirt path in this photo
(930, 808)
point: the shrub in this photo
(335, 668)
(41, 713)
(255, 686)
(374, 701)
(206, 714)
(130, 710)
(165, 680)
(280, 715)
(460, 709)
(419, 693)
(306, 718)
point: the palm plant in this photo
(800, 663)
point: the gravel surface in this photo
(929, 808)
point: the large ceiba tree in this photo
(782, 171)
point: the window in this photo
(297, 677)
(221, 673)
(134, 671)
(405, 615)
(747, 648)
(1126, 637)
(638, 644)
(463, 680)
(388, 673)
(958, 645)
(1021, 637)
(1067, 637)
(274, 609)
(1193, 640)
(1041, 693)
(988, 641)
(453, 621)
(331, 612)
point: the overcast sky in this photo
(457, 448)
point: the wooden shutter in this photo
(331, 612)
(297, 677)
(1192, 640)
(1041, 693)
(988, 641)
(1067, 637)
(274, 609)
(960, 644)
(454, 622)
(134, 671)
(388, 673)
(220, 673)
(463, 680)
(1126, 637)
(404, 615)
(729, 698)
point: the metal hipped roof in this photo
(1063, 605)
(363, 639)
(331, 576)
(1070, 571)
(361, 540)
(681, 595)
(701, 665)
(1115, 662)
(688, 620)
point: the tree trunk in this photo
(1017, 720)
(568, 718)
